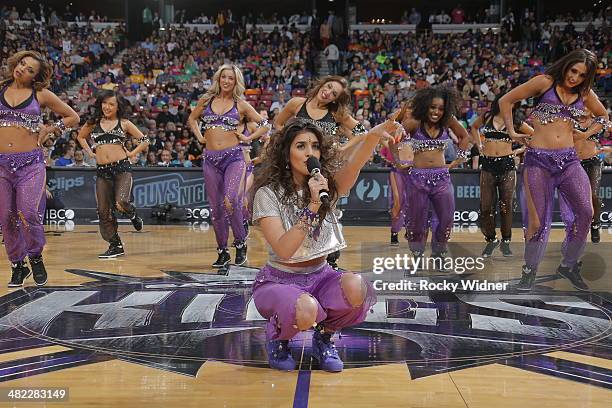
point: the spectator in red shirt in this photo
(457, 15)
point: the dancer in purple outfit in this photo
(551, 161)
(398, 157)
(224, 166)
(23, 94)
(298, 289)
(429, 183)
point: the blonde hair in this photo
(41, 81)
(215, 88)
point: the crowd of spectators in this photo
(74, 50)
(48, 15)
(163, 76)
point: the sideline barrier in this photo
(367, 203)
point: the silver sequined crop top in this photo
(114, 136)
(420, 141)
(491, 134)
(327, 123)
(228, 121)
(267, 204)
(550, 108)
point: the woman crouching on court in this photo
(109, 131)
(297, 289)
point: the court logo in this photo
(178, 321)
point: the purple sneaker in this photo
(323, 349)
(279, 355)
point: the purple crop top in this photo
(420, 141)
(26, 115)
(550, 108)
(228, 121)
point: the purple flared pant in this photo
(22, 203)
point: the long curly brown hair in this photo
(275, 171)
(42, 80)
(424, 97)
(342, 105)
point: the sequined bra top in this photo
(267, 203)
(491, 134)
(420, 141)
(114, 136)
(27, 114)
(327, 123)
(550, 108)
(228, 121)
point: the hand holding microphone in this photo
(317, 183)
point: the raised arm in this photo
(347, 176)
(357, 132)
(351, 127)
(288, 112)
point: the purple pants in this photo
(247, 208)
(276, 292)
(22, 203)
(398, 177)
(544, 171)
(224, 178)
(429, 187)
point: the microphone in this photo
(314, 168)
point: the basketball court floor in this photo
(159, 328)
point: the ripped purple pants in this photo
(276, 292)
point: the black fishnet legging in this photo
(593, 170)
(110, 194)
(492, 187)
